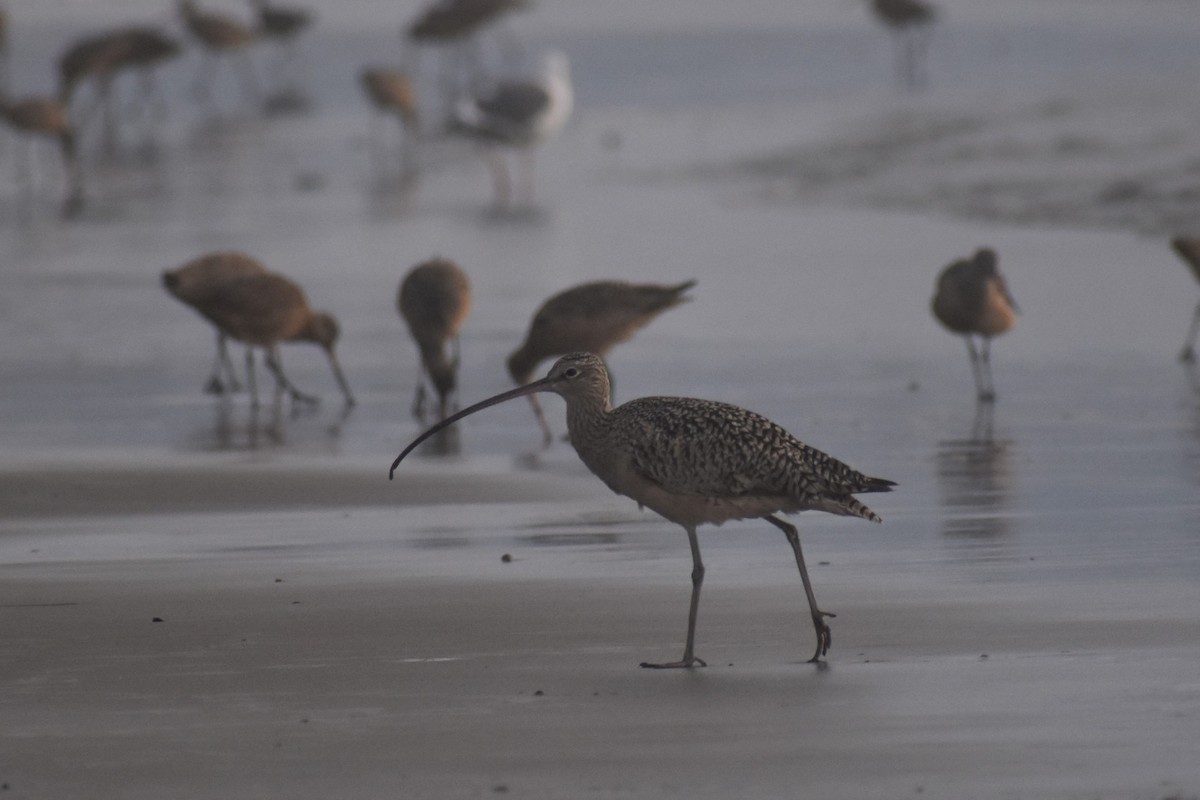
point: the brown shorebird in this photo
(199, 283)
(219, 34)
(434, 299)
(591, 317)
(454, 26)
(695, 462)
(41, 116)
(1189, 251)
(972, 299)
(516, 116)
(99, 58)
(259, 309)
(910, 21)
(391, 92)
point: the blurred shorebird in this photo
(516, 116)
(42, 116)
(391, 93)
(100, 58)
(1189, 251)
(282, 25)
(259, 309)
(434, 299)
(910, 22)
(593, 318)
(695, 462)
(972, 299)
(220, 34)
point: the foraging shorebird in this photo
(695, 462)
(434, 299)
(219, 34)
(1189, 251)
(516, 116)
(972, 299)
(910, 21)
(198, 283)
(454, 25)
(281, 24)
(591, 317)
(99, 58)
(391, 92)
(259, 309)
(41, 116)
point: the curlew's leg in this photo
(976, 369)
(824, 636)
(689, 656)
(223, 355)
(214, 384)
(251, 381)
(501, 180)
(1188, 354)
(418, 406)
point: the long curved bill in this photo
(520, 391)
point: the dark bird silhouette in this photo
(434, 299)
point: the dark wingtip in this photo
(878, 485)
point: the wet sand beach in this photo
(199, 600)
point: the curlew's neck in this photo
(589, 418)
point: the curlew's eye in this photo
(571, 372)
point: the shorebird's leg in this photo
(501, 180)
(282, 382)
(824, 636)
(689, 656)
(547, 434)
(251, 381)
(418, 406)
(988, 394)
(1188, 354)
(214, 384)
(976, 369)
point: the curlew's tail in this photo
(875, 485)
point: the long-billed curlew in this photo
(1189, 251)
(695, 462)
(41, 116)
(258, 308)
(517, 115)
(434, 299)
(591, 317)
(910, 21)
(972, 299)
(219, 34)
(391, 92)
(198, 283)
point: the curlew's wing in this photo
(700, 447)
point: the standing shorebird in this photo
(516, 116)
(591, 317)
(259, 309)
(695, 462)
(219, 34)
(198, 283)
(910, 21)
(391, 92)
(1189, 251)
(40, 116)
(972, 299)
(434, 299)
(282, 25)
(454, 26)
(100, 58)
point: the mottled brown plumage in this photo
(434, 299)
(972, 299)
(592, 318)
(1189, 251)
(258, 308)
(695, 462)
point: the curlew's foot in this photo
(824, 635)
(1187, 355)
(214, 386)
(987, 397)
(307, 399)
(685, 663)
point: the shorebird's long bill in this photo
(520, 391)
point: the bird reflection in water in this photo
(277, 424)
(975, 480)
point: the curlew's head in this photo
(576, 377)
